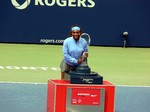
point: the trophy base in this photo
(84, 78)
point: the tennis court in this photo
(26, 68)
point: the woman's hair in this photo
(70, 33)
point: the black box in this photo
(86, 79)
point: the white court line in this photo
(46, 83)
(20, 82)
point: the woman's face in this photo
(76, 34)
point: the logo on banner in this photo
(21, 6)
(50, 3)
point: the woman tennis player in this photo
(73, 49)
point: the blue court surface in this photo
(31, 97)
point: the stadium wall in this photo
(49, 21)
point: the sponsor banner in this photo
(51, 3)
(49, 21)
(85, 96)
(54, 41)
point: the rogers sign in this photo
(50, 3)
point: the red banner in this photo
(85, 96)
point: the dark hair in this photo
(70, 33)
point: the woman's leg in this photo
(64, 68)
(62, 75)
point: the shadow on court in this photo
(23, 97)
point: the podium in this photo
(65, 97)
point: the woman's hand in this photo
(85, 54)
(80, 60)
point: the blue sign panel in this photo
(49, 21)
